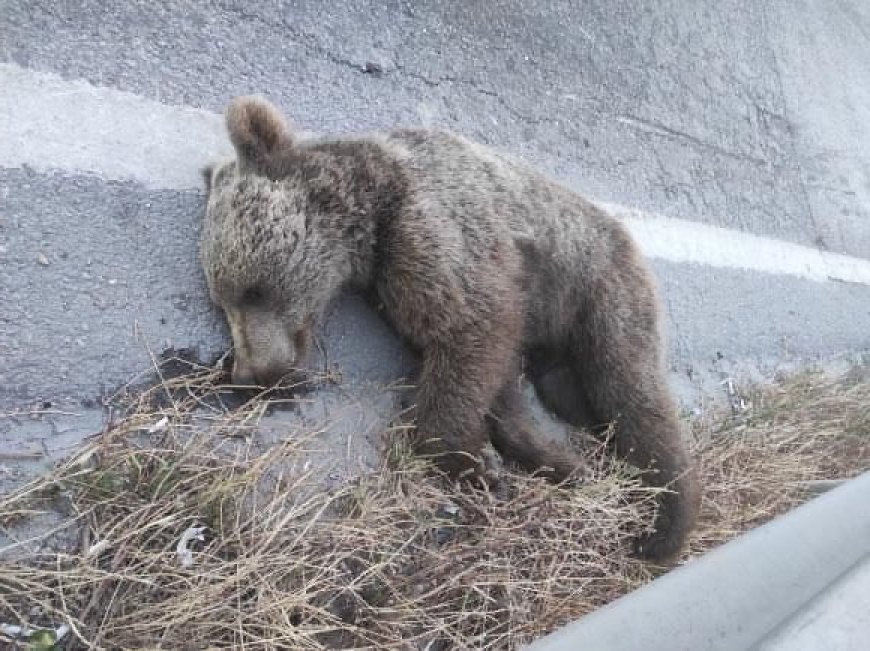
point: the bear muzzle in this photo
(248, 375)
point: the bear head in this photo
(267, 267)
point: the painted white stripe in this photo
(682, 241)
(50, 123)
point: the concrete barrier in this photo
(744, 594)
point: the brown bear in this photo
(489, 269)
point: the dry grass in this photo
(804, 429)
(401, 558)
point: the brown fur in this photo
(480, 263)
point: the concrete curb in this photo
(738, 595)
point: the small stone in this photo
(443, 535)
(41, 259)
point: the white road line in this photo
(681, 241)
(50, 123)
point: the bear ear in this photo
(256, 130)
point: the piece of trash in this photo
(11, 630)
(185, 556)
(98, 547)
(41, 259)
(159, 426)
(738, 402)
(39, 638)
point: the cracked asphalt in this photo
(687, 109)
(748, 116)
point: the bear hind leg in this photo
(560, 389)
(515, 437)
(617, 351)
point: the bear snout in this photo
(243, 375)
(250, 375)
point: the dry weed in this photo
(804, 429)
(190, 536)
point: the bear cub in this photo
(489, 269)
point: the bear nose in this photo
(250, 375)
(243, 375)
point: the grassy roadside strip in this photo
(192, 534)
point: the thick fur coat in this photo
(485, 266)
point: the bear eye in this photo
(253, 295)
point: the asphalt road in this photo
(738, 129)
